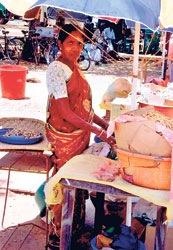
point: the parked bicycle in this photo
(10, 48)
(37, 48)
(31, 49)
(84, 60)
(90, 53)
(50, 49)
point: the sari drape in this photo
(67, 140)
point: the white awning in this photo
(18, 7)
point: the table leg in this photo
(129, 211)
(6, 196)
(99, 213)
(67, 218)
(160, 230)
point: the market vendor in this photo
(70, 115)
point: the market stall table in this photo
(77, 174)
(40, 149)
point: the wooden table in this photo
(40, 149)
(77, 174)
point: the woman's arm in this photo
(101, 122)
(71, 117)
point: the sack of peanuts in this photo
(119, 88)
(137, 131)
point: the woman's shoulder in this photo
(58, 64)
(59, 68)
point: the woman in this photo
(70, 114)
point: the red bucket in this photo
(13, 81)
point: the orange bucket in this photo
(146, 171)
(13, 81)
(165, 110)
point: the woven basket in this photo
(146, 171)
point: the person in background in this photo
(109, 35)
(70, 116)
(110, 39)
(98, 45)
(88, 28)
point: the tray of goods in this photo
(160, 97)
(19, 136)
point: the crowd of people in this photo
(111, 38)
(105, 37)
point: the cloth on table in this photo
(80, 168)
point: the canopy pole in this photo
(135, 66)
(167, 36)
(42, 13)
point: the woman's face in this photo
(72, 46)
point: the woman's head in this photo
(66, 30)
(70, 42)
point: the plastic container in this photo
(146, 171)
(39, 198)
(165, 110)
(13, 81)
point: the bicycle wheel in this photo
(84, 63)
(13, 51)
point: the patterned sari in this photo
(67, 140)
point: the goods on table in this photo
(144, 149)
(22, 132)
(160, 97)
(119, 88)
(157, 95)
(137, 132)
(26, 124)
(107, 171)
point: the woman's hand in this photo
(110, 140)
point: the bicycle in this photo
(36, 38)
(50, 49)
(44, 48)
(86, 57)
(31, 49)
(92, 52)
(38, 48)
(10, 48)
(84, 60)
